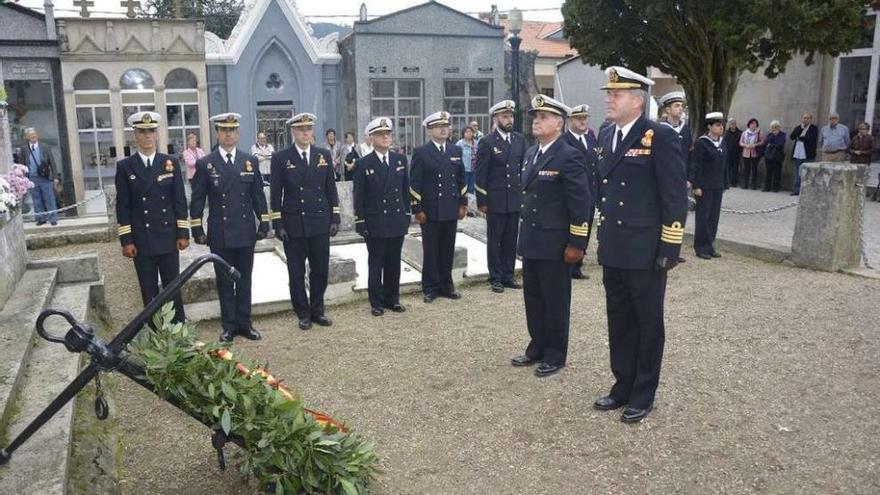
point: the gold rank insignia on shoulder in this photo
(248, 167)
(169, 166)
(648, 138)
(321, 161)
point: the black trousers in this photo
(150, 269)
(235, 297)
(384, 270)
(733, 168)
(438, 250)
(316, 249)
(750, 172)
(547, 295)
(773, 179)
(706, 226)
(501, 233)
(634, 300)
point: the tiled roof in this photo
(534, 38)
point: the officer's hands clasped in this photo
(573, 254)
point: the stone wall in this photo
(13, 252)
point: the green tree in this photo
(707, 45)
(220, 15)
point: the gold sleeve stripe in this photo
(671, 240)
(183, 224)
(275, 215)
(124, 229)
(579, 230)
(336, 209)
(414, 194)
(463, 190)
(359, 220)
(265, 217)
(481, 190)
(195, 222)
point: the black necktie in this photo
(442, 149)
(148, 164)
(538, 155)
(507, 138)
(305, 159)
(229, 160)
(619, 139)
(384, 161)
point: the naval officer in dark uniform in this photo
(305, 211)
(642, 207)
(553, 234)
(381, 215)
(497, 179)
(438, 194)
(229, 180)
(580, 136)
(151, 211)
(709, 179)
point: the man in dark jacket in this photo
(43, 173)
(733, 151)
(581, 137)
(805, 138)
(497, 183)
(438, 193)
(229, 180)
(305, 215)
(381, 215)
(151, 210)
(553, 234)
(642, 207)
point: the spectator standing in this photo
(835, 140)
(862, 145)
(805, 138)
(751, 142)
(191, 155)
(43, 173)
(350, 154)
(366, 146)
(734, 152)
(336, 149)
(468, 145)
(477, 133)
(263, 150)
(774, 154)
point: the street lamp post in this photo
(514, 25)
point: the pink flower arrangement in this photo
(19, 183)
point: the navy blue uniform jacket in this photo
(642, 196)
(151, 204)
(304, 194)
(498, 172)
(556, 193)
(437, 185)
(381, 196)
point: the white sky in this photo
(546, 10)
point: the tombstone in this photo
(827, 233)
(13, 248)
(346, 205)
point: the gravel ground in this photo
(770, 385)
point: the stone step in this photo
(17, 332)
(41, 464)
(56, 238)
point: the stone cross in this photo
(83, 6)
(130, 5)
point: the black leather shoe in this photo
(497, 288)
(323, 321)
(250, 333)
(579, 275)
(524, 360)
(715, 254)
(704, 256)
(545, 369)
(633, 415)
(397, 308)
(451, 295)
(607, 403)
(512, 284)
(377, 311)
(305, 323)
(681, 260)
(226, 336)
(429, 298)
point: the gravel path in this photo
(770, 385)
